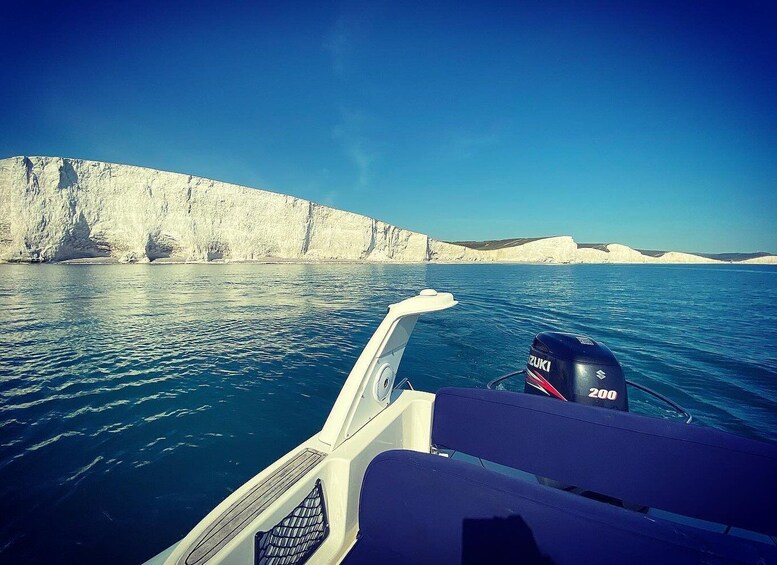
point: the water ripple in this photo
(134, 398)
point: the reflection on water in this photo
(135, 398)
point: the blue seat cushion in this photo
(421, 508)
(686, 469)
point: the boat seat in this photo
(684, 469)
(422, 508)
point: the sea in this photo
(134, 398)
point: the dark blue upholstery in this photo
(421, 508)
(686, 469)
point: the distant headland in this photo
(55, 209)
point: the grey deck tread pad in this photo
(253, 503)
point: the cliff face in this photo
(54, 209)
(548, 250)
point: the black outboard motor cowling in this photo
(575, 368)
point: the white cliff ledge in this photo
(55, 209)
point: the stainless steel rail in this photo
(402, 383)
(679, 409)
(492, 384)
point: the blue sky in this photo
(650, 124)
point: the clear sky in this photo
(649, 124)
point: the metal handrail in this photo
(492, 384)
(403, 382)
(672, 403)
(679, 409)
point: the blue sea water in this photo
(134, 398)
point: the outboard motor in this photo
(575, 368)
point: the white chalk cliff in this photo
(54, 209)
